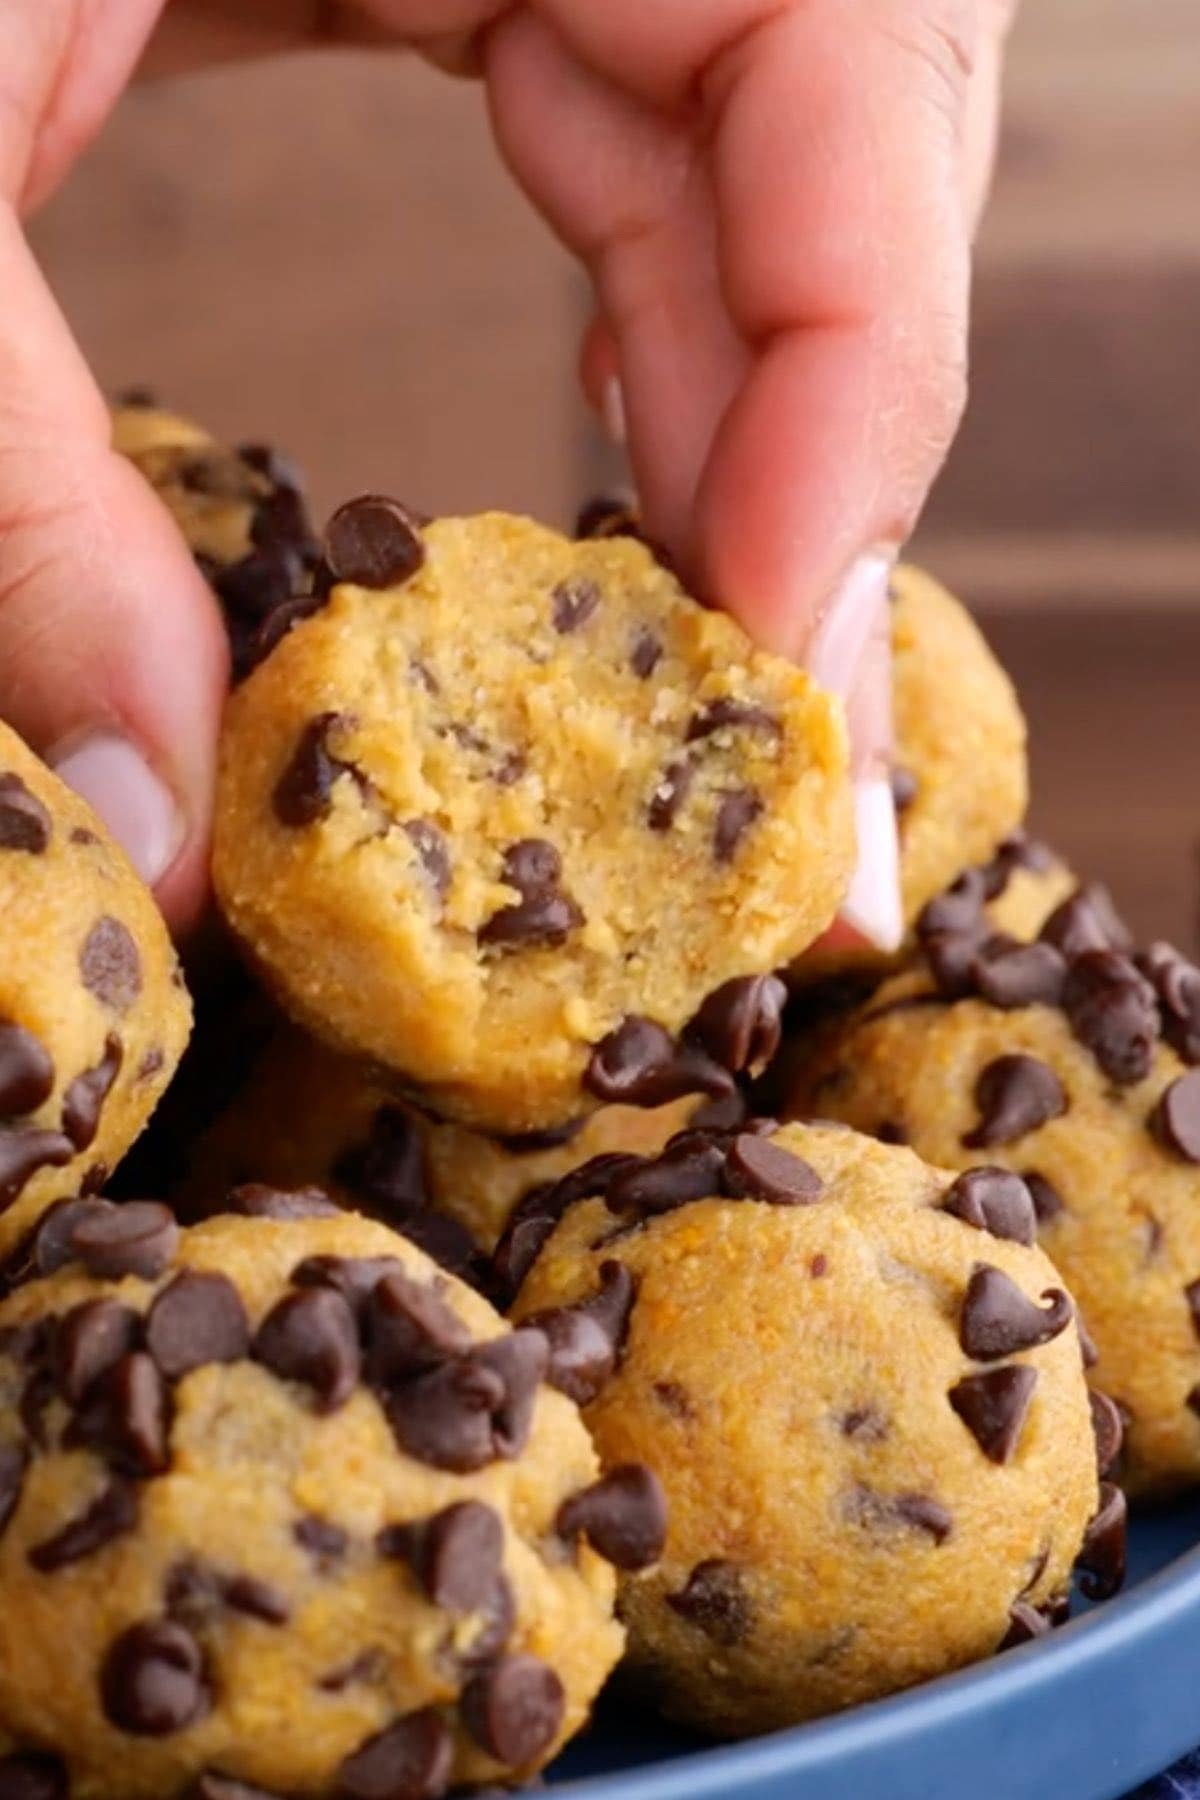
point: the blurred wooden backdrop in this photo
(327, 252)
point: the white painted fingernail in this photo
(612, 409)
(837, 646)
(872, 905)
(117, 782)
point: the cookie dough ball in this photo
(1066, 1063)
(282, 1505)
(509, 809)
(868, 1413)
(93, 1011)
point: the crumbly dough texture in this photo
(466, 824)
(93, 1011)
(836, 1531)
(259, 1542)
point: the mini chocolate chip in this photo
(574, 602)
(514, 1709)
(374, 542)
(1085, 920)
(137, 1237)
(110, 966)
(411, 1760)
(998, 1320)
(456, 1555)
(1015, 1095)
(14, 1460)
(738, 810)
(716, 1602)
(993, 1406)
(1177, 984)
(90, 1340)
(1101, 1563)
(311, 1337)
(24, 821)
(670, 792)
(905, 788)
(1109, 1429)
(623, 1516)
(475, 1409)
(256, 1598)
(26, 1071)
(728, 714)
(1020, 974)
(864, 1506)
(274, 628)
(126, 1418)
(586, 1339)
(544, 916)
(153, 1681)
(112, 1514)
(197, 1319)
(354, 1277)
(639, 1063)
(646, 654)
(1175, 1120)
(675, 1397)
(85, 1096)
(1047, 1201)
(23, 1153)
(33, 1775)
(409, 1328)
(757, 1169)
(449, 1244)
(387, 1171)
(864, 1424)
(955, 912)
(690, 1168)
(254, 1200)
(326, 1543)
(303, 794)
(367, 1666)
(740, 1023)
(429, 842)
(993, 1200)
(951, 956)
(1025, 1622)
(1113, 1011)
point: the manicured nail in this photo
(117, 782)
(612, 409)
(872, 905)
(836, 649)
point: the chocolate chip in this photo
(646, 654)
(325, 1543)
(1109, 1430)
(1101, 1563)
(514, 1709)
(1025, 1622)
(728, 714)
(26, 1071)
(112, 1514)
(586, 1339)
(109, 964)
(993, 1200)
(607, 515)
(998, 1320)
(256, 1598)
(14, 1460)
(23, 1153)
(1175, 1120)
(475, 1409)
(574, 602)
(864, 1424)
(728, 1113)
(254, 1200)
(1047, 1201)
(670, 792)
(1113, 1012)
(429, 842)
(740, 1023)
(311, 1338)
(866, 1507)
(641, 1064)
(90, 1340)
(456, 1555)
(24, 821)
(197, 1319)
(738, 810)
(716, 1602)
(544, 916)
(757, 1169)
(623, 1516)
(993, 1406)
(690, 1168)
(137, 1237)
(1015, 1094)
(303, 793)
(957, 911)
(409, 1329)
(1019, 975)
(33, 1775)
(367, 1666)
(126, 1419)
(387, 1171)
(449, 1244)
(905, 788)
(1177, 984)
(153, 1681)
(274, 628)
(354, 1277)
(85, 1096)
(411, 1760)
(374, 542)
(675, 1398)
(1086, 920)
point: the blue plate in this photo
(1086, 1714)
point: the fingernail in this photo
(118, 783)
(872, 905)
(836, 648)
(612, 409)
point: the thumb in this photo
(112, 656)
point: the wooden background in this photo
(327, 252)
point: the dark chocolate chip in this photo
(274, 628)
(1025, 1623)
(646, 654)
(1100, 1565)
(1047, 1201)
(514, 1709)
(1019, 974)
(889, 1512)
(256, 1598)
(994, 1200)
(85, 1096)
(670, 792)
(690, 1168)
(727, 1113)
(374, 542)
(303, 793)
(411, 1760)
(112, 1514)
(433, 853)
(1175, 1120)
(1015, 1095)
(623, 1516)
(197, 1319)
(24, 821)
(864, 1424)
(573, 603)
(14, 1460)
(1177, 984)
(641, 1064)
(905, 788)
(33, 1775)
(586, 1339)
(449, 1244)
(26, 1071)
(311, 1337)
(1113, 1011)
(254, 1200)
(957, 911)
(367, 1666)
(456, 1555)
(993, 1406)
(740, 1023)
(757, 1169)
(387, 1171)
(126, 1418)
(1109, 1430)
(544, 915)
(738, 810)
(137, 1237)
(409, 1329)
(1086, 920)
(90, 1340)
(324, 1542)
(716, 1602)
(498, 1617)
(23, 1153)
(354, 1277)
(473, 1410)
(110, 966)
(153, 1681)
(998, 1320)
(728, 714)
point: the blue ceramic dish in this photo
(1086, 1714)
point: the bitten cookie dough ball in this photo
(1065, 1061)
(280, 1504)
(867, 1410)
(93, 1011)
(509, 809)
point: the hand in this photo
(775, 201)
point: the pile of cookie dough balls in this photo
(484, 1335)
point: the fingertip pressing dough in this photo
(282, 1505)
(868, 1413)
(507, 798)
(93, 1011)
